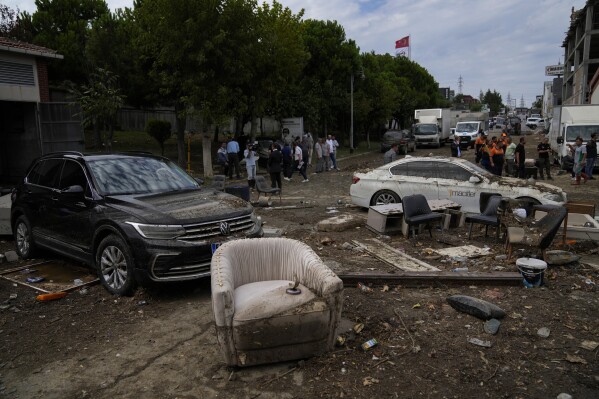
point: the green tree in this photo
(160, 131)
(538, 103)
(100, 100)
(8, 20)
(493, 99)
(63, 25)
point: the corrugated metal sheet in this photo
(14, 73)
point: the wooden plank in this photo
(393, 257)
(416, 279)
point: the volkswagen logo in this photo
(225, 229)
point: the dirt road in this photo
(161, 342)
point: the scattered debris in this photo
(575, 359)
(394, 257)
(589, 345)
(51, 296)
(326, 241)
(369, 381)
(34, 280)
(11, 256)
(358, 328)
(479, 342)
(501, 257)
(340, 340)
(564, 395)
(543, 332)
(364, 287)
(272, 232)
(476, 307)
(491, 326)
(465, 251)
(347, 246)
(559, 257)
(368, 345)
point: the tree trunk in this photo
(368, 138)
(207, 154)
(109, 138)
(254, 127)
(97, 136)
(216, 134)
(181, 123)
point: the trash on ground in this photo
(358, 328)
(51, 276)
(476, 307)
(575, 359)
(543, 332)
(480, 342)
(364, 287)
(465, 251)
(559, 257)
(34, 280)
(51, 296)
(369, 381)
(491, 326)
(11, 256)
(589, 345)
(368, 345)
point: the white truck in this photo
(292, 128)
(569, 122)
(469, 125)
(431, 126)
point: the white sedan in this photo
(455, 179)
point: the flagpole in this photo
(410, 47)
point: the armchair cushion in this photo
(276, 318)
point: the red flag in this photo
(403, 42)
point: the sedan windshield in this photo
(136, 175)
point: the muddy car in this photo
(405, 140)
(455, 179)
(135, 218)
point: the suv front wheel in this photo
(115, 265)
(23, 238)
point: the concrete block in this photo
(339, 223)
(11, 256)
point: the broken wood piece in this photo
(465, 251)
(393, 257)
(428, 278)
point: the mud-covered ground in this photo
(161, 343)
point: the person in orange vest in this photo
(498, 155)
(485, 156)
(478, 145)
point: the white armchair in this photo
(257, 321)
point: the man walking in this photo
(333, 144)
(520, 158)
(591, 155)
(455, 147)
(222, 158)
(250, 164)
(287, 156)
(309, 142)
(326, 155)
(319, 155)
(580, 159)
(233, 155)
(543, 161)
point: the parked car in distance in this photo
(403, 138)
(454, 179)
(534, 122)
(134, 217)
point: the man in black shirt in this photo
(543, 161)
(521, 158)
(591, 155)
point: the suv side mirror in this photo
(560, 140)
(76, 189)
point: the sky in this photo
(497, 45)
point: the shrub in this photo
(160, 131)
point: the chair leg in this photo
(497, 229)
(486, 230)
(470, 231)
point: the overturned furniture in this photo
(260, 318)
(537, 234)
(263, 188)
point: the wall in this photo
(19, 92)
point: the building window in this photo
(13, 73)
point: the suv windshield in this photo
(426, 129)
(137, 175)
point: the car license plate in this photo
(214, 247)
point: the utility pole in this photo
(460, 84)
(351, 127)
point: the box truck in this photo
(568, 123)
(469, 125)
(432, 126)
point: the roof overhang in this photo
(32, 52)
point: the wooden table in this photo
(388, 219)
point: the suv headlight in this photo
(158, 231)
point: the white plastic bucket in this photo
(533, 271)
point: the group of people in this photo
(296, 156)
(502, 155)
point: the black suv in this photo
(134, 217)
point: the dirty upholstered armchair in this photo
(257, 320)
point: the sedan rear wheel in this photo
(385, 197)
(115, 266)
